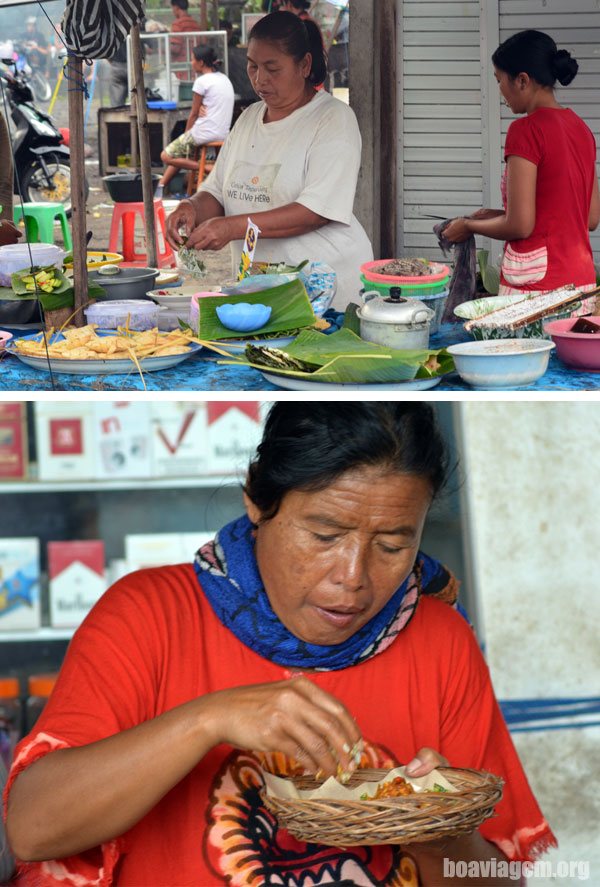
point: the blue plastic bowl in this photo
(243, 317)
(162, 106)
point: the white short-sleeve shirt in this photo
(218, 98)
(311, 157)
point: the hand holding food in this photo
(425, 760)
(457, 231)
(294, 717)
(9, 233)
(211, 234)
(180, 224)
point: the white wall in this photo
(534, 543)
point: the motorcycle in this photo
(41, 159)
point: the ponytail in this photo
(535, 53)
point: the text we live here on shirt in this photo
(251, 183)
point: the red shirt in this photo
(558, 251)
(153, 642)
(181, 25)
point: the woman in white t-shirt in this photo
(210, 116)
(291, 163)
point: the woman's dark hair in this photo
(306, 446)
(295, 38)
(304, 5)
(536, 54)
(207, 55)
(181, 4)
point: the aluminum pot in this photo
(395, 322)
(127, 283)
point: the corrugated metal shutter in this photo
(576, 29)
(440, 126)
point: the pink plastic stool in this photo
(124, 217)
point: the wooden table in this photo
(114, 133)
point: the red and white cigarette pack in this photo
(122, 434)
(65, 441)
(13, 441)
(76, 571)
(234, 429)
(178, 439)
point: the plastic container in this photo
(194, 312)
(503, 364)
(137, 314)
(168, 319)
(129, 283)
(370, 271)
(578, 350)
(437, 303)
(16, 257)
(39, 687)
(11, 712)
(413, 290)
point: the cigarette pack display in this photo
(179, 439)
(155, 550)
(122, 440)
(233, 433)
(64, 435)
(13, 441)
(77, 580)
(19, 584)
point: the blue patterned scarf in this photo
(228, 574)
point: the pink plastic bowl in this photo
(580, 350)
(369, 269)
(4, 338)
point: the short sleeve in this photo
(523, 139)
(332, 166)
(199, 87)
(474, 735)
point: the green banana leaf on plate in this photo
(343, 357)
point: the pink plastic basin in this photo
(5, 337)
(369, 269)
(580, 350)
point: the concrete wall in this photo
(533, 522)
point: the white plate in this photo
(236, 346)
(292, 384)
(101, 367)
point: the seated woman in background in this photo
(210, 117)
(310, 625)
(291, 162)
(550, 185)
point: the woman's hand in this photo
(425, 760)
(457, 231)
(486, 214)
(212, 234)
(294, 717)
(9, 233)
(181, 219)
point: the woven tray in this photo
(425, 816)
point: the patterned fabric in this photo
(229, 577)
(95, 29)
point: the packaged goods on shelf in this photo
(179, 439)
(122, 440)
(13, 441)
(160, 549)
(233, 432)
(20, 584)
(76, 571)
(64, 436)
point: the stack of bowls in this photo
(432, 289)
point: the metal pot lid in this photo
(394, 309)
(131, 275)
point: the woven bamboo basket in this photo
(424, 816)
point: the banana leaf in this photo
(344, 357)
(20, 287)
(351, 318)
(61, 297)
(291, 310)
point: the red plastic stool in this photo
(124, 217)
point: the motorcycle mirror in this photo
(7, 61)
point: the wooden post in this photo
(144, 144)
(215, 15)
(78, 219)
(133, 128)
(385, 184)
(203, 16)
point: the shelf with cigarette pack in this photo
(101, 486)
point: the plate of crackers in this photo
(83, 350)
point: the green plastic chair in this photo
(39, 222)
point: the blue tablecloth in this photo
(203, 372)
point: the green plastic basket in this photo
(418, 289)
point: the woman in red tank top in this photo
(550, 186)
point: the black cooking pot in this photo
(126, 187)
